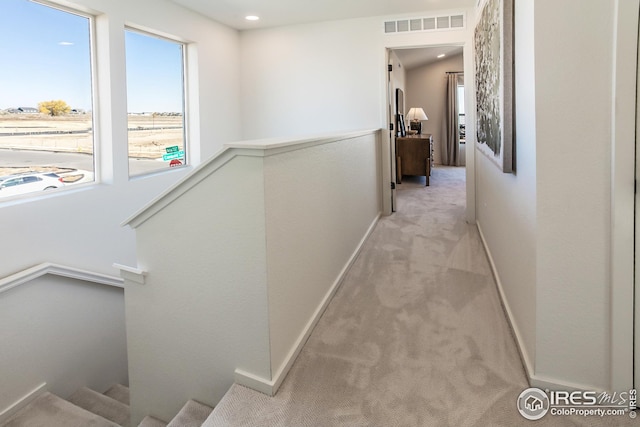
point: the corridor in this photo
(416, 335)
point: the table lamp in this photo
(416, 115)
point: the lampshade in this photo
(416, 114)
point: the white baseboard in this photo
(255, 382)
(534, 380)
(545, 383)
(270, 387)
(524, 355)
(22, 402)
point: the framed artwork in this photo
(493, 43)
(401, 130)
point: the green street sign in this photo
(173, 149)
(171, 156)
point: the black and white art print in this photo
(493, 43)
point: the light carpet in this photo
(416, 335)
(49, 410)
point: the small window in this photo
(46, 119)
(155, 103)
(461, 115)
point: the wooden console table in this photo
(414, 156)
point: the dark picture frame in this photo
(401, 130)
(493, 43)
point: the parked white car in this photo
(29, 183)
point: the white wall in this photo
(574, 189)
(203, 311)
(67, 333)
(322, 77)
(320, 202)
(398, 80)
(81, 227)
(427, 88)
(547, 226)
(241, 266)
(506, 205)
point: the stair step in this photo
(52, 411)
(102, 405)
(192, 414)
(119, 393)
(150, 421)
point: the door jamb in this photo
(469, 89)
(623, 134)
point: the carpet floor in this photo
(416, 335)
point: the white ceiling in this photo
(274, 13)
(417, 57)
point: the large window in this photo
(46, 122)
(155, 101)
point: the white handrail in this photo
(261, 148)
(32, 273)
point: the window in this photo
(46, 120)
(155, 103)
(461, 117)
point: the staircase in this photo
(88, 408)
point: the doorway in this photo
(421, 74)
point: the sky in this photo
(46, 55)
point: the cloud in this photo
(65, 44)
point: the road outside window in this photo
(155, 101)
(46, 120)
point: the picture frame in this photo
(402, 129)
(493, 43)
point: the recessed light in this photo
(252, 18)
(442, 55)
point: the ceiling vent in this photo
(435, 23)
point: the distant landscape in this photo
(149, 135)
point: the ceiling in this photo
(412, 58)
(274, 13)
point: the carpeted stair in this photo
(88, 408)
(101, 405)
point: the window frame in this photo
(93, 61)
(183, 101)
(95, 113)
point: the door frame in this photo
(391, 128)
(623, 198)
(470, 119)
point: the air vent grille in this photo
(436, 23)
(390, 27)
(429, 23)
(457, 21)
(443, 22)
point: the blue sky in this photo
(154, 74)
(46, 55)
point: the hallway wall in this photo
(574, 189)
(547, 225)
(322, 77)
(506, 204)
